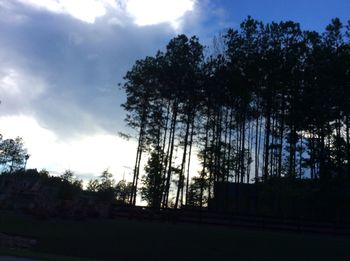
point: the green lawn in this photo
(136, 240)
(40, 256)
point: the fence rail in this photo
(204, 216)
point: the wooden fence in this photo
(206, 217)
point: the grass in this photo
(41, 256)
(135, 240)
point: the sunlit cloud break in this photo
(158, 11)
(142, 12)
(86, 155)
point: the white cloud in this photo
(8, 83)
(17, 89)
(143, 12)
(158, 11)
(84, 10)
(87, 155)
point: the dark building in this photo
(234, 197)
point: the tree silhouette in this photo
(152, 181)
(270, 101)
(13, 155)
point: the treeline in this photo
(13, 161)
(266, 100)
(104, 187)
(43, 195)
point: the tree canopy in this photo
(13, 155)
(269, 100)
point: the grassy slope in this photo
(134, 240)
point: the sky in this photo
(61, 62)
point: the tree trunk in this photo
(267, 146)
(137, 167)
(189, 160)
(183, 162)
(171, 149)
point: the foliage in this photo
(69, 177)
(93, 185)
(13, 155)
(123, 191)
(104, 186)
(152, 181)
(107, 180)
(272, 102)
(195, 196)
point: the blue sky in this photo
(311, 14)
(61, 62)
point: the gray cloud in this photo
(67, 70)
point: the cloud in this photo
(142, 12)
(86, 156)
(18, 90)
(66, 73)
(84, 10)
(158, 11)
(59, 76)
